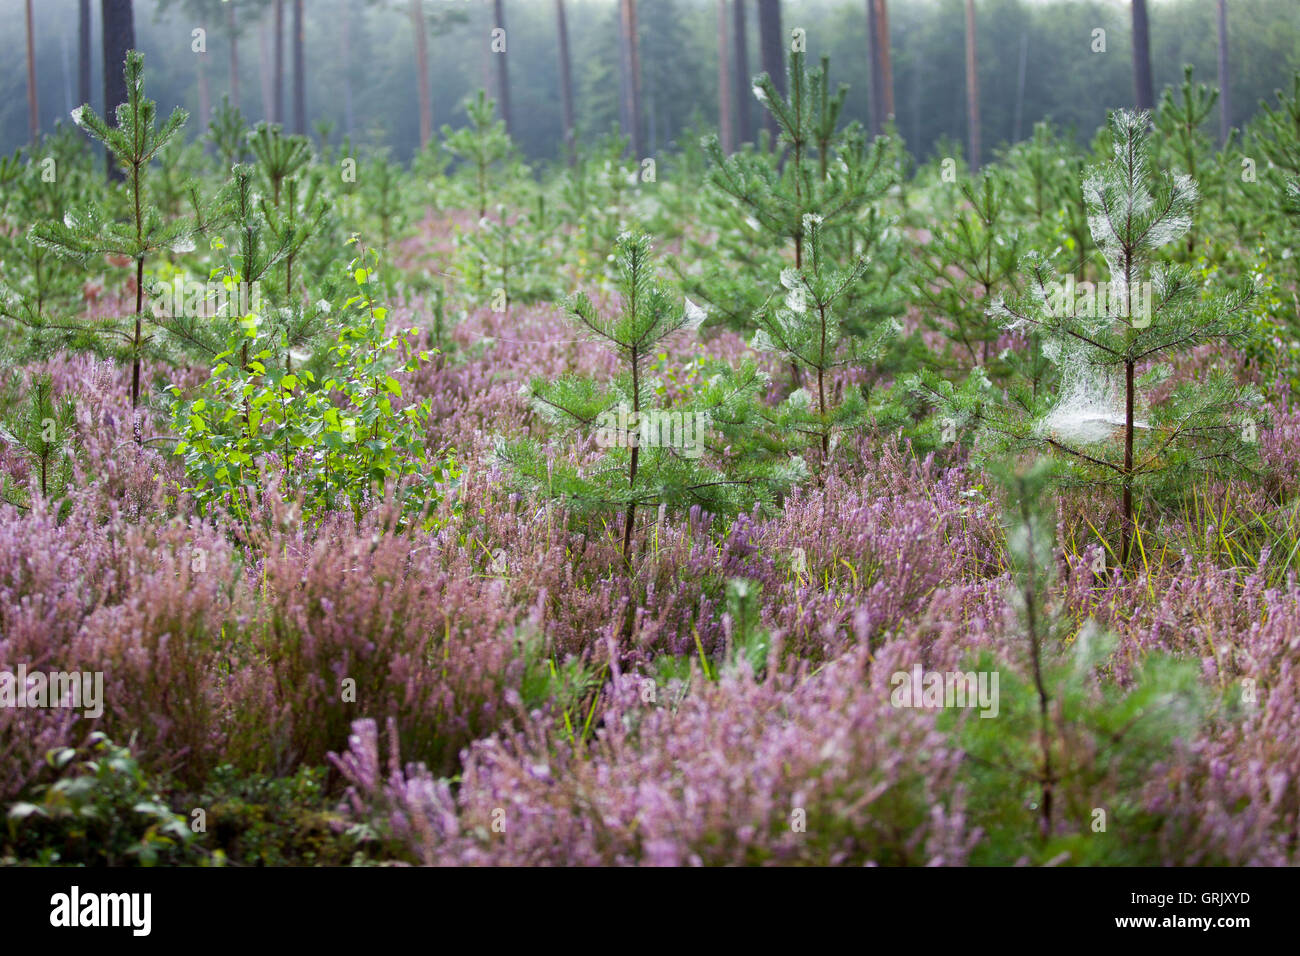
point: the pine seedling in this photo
(1112, 345)
(228, 134)
(384, 198)
(34, 288)
(818, 178)
(502, 259)
(1045, 171)
(482, 144)
(43, 428)
(247, 257)
(1059, 763)
(278, 157)
(652, 456)
(85, 234)
(1275, 137)
(1180, 120)
(806, 329)
(969, 258)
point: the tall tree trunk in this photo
(503, 65)
(566, 82)
(83, 52)
(299, 73)
(422, 71)
(724, 83)
(772, 47)
(345, 45)
(1144, 91)
(631, 73)
(744, 95)
(277, 68)
(1020, 87)
(205, 94)
(118, 34)
(33, 107)
(886, 65)
(876, 92)
(1225, 98)
(264, 72)
(232, 32)
(972, 89)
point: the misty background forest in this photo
(1035, 61)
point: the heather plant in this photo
(85, 233)
(652, 455)
(1106, 422)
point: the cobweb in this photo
(1089, 407)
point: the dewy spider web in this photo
(1089, 408)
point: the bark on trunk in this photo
(1225, 98)
(299, 73)
(232, 31)
(886, 65)
(632, 74)
(772, 48)
(503, 66)
(277, 66)
(972, 89)
(566, 82)
(83, 52)
(724, 83)
(1143, 87)
(33, 106)
(744, 95)
(118, 37)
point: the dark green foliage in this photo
(98, 809)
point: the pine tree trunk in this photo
(299, 73)
(33, 106)
(232, 31)
(83, 52)
(972, 89)
(873, 60)
(118, 37)
(277, 68)
(422, 71)
(744, 95)
(1126, 538)
(724, 83)
(773, 53)
(345, 44)
(503, 65)
(205, 93)
(886, 65)
(1143, 87)
(1225, 98)
(566, 82)
(631, 74)
(264, 72)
